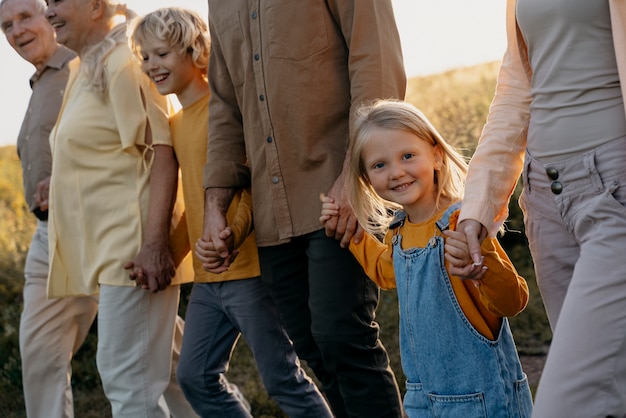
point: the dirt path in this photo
(533, 366)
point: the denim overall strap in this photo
(451, 369)
(444, 222)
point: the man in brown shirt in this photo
(285, 78)
(51, 330)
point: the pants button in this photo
(552, 173)
(556, 187)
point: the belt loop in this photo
(590, 165)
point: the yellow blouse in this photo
(99, 189)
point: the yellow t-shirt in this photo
(99, 190)
(189, 128)
(502, 291)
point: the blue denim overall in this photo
(452, 370)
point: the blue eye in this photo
(378, 166)
(408, 156)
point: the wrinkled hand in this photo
(214, 260)
(469, 234)
(42, 193)
(152, 268)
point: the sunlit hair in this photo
(180, 28)
(372, 211)
(92, 63)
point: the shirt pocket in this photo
(296, 28)
(233, 47)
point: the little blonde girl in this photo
(456, 347)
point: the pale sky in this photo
(436, 36)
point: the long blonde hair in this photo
(92, 64)
(372, 211)
(179, 28)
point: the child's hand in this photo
(458, 255)
(210, 257)
(329, 208)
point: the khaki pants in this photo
(136, 335)
(51, 330)
(578, 242)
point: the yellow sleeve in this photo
(241, 222)
(375, 258)
(502, 290)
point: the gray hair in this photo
(41, 4)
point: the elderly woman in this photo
(111, 198)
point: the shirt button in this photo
(269, 139)
(275, 180)
(253, 15)
(261, 97)
(257, 57)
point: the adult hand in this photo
(474, 233)
(42, 193)
(457, 254)
(344, 226)
(152, 268)
(216, 202)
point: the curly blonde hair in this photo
(372, 211)
(180, 28)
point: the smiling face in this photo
(27, 30)
(72, 22)
(171, 71)
(401, 168)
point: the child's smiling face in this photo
(401, 168)
(171, 71)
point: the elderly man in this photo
(51, 330)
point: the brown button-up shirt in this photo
(33, 143)
(285, 77)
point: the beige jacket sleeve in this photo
(498, 160)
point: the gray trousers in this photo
(575, 217)
(51, 331)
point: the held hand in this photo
(153, 267)
(42, 193)
(474, 233)
(458, 256)
(343, 226)
(215, 234)
(136, 274)
(329, 208)
(212, 260)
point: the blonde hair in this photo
(92, 64)
(179, 28)
(372, 211)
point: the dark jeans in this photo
(216, 315)
(327, 305)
